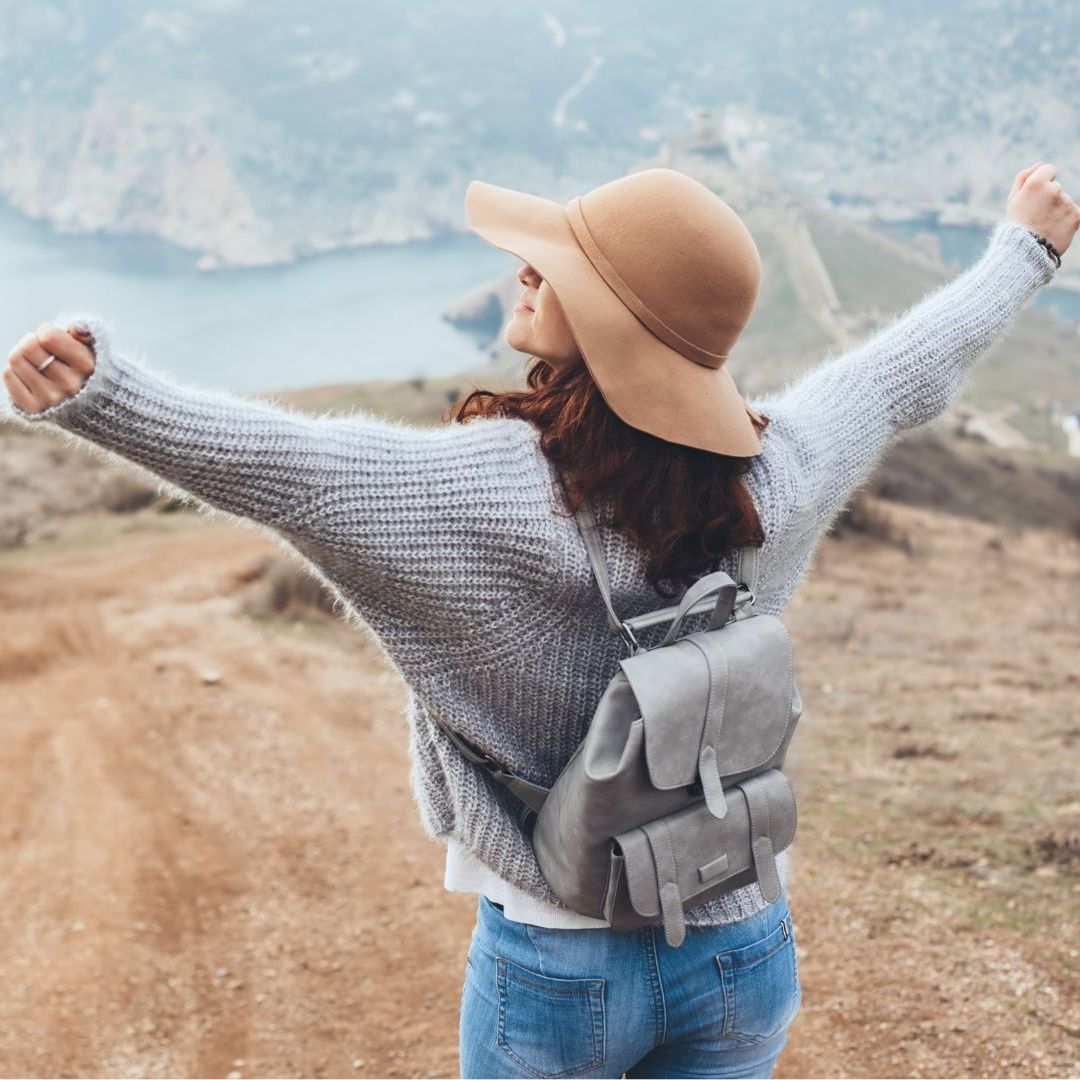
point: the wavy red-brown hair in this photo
(686, 507)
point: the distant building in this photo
(1070, 424)
(708, 136)
(1065, 415)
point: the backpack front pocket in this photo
(690, 856)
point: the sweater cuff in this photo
(109, 371)
(1012, 236)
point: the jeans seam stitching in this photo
(536, 948)
(658, 987)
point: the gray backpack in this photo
(675, 795)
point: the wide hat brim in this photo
(646, 383)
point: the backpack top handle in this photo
(703, 596)
(717, 584)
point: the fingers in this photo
(62, 345)
(33, 389)
(1041, 171)
(1022, 175)
(24, 380)
(1043, 177)
(18, 391)
(82, 334)
(46, 387)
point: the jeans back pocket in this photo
(761, 985)
(548, 1026)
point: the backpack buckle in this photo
(748, 599)
(527, 819)
(629, 639)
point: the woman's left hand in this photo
(34, 390)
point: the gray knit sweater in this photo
(443, 540)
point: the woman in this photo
(456, 545)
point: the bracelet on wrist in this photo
(1051, 250)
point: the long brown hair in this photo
(685, 506)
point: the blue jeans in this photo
(560, 1003)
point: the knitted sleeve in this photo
(402, 518)
(831, 426)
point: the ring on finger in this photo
(42, 366)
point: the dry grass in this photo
(277, 587)
(34, 640)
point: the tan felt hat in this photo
(657, 276)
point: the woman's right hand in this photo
(34, 390)
(1037, 202)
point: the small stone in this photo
(210, 676)
(358, 1063)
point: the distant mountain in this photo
(254, 132)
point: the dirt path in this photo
(208, 848)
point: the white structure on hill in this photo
(1070, 424)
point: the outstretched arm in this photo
(417, 526)
(248, 457)
(243, 456)
(831, 426)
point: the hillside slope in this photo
(254, 139)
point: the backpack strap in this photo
(667, 879)
(590, 533)
(530, 794)
(747, 571)
(745, 575)
(762, 847)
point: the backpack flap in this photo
(669, 862)
(716, 705)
